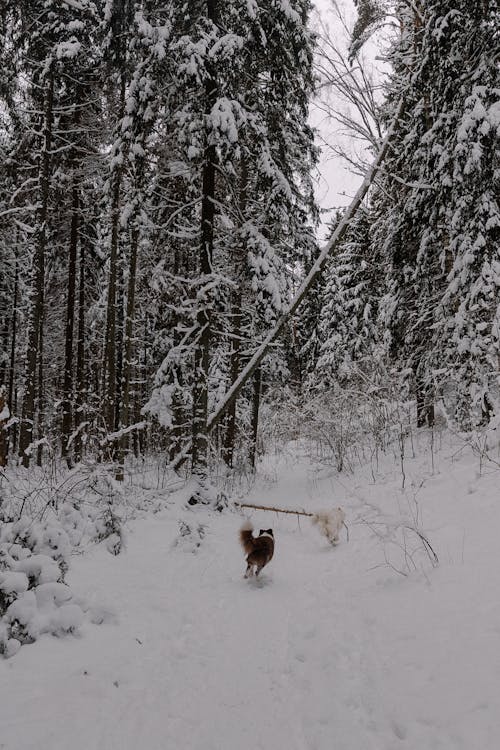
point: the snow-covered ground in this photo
(333, 648)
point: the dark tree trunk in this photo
(3, 433)
(81, 383)
(425, 403)
(4, 337)
(13, 341)
(40, 389)
(425, 410)
(123, 418)
(38, 278)
(257, 382)
(229, 436)
(109, 366)
(120, 300)
(127, 396)
(180, 415)
(67, 415)
(202, 349)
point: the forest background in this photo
(158, 213)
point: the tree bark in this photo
(13, 342)
(229, 437)
(81, 382)
(425, 406)
(109, 369)
(40, 388)
(67, 415)
(3, 419)
(38, 279)
(257, 384)
(127, 346)
(119, 330)
(202, 350)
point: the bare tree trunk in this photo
(4, 415)
(202, 349)
(38, 278)
(257, 381)
(425, 407)
(67, 415)
(424, 399)
(200, 397)
(229, 436)
(13, 341)
(40, 388)
(178, 429)
(129, 325)
(180, 415)
(127, 346)
(130, 311)
(4, 337)
(81, 383)
(109, 368)
(120, 301)
(142, 393)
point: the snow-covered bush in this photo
(33, 596)
(109, 529)
(190, 536)
(343, 426)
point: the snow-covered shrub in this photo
(98, 515)
(339, 426)
(76, 522)
(46, 538)
(33, 596)
(109, 529)
(190, 536)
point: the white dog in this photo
(330, 523)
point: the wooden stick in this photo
(273, 509)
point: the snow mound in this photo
(33, 596)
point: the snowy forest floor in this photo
(333, 648)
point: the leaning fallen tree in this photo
(302, 292)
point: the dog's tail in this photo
(246, 537)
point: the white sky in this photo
(336, 184)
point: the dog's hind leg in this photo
(249, 571)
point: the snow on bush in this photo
(94, 523)
(190, 536)
(46, 515)
(33, 596)
(109, 529)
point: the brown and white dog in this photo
(259, 549)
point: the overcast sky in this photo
(335, 184)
